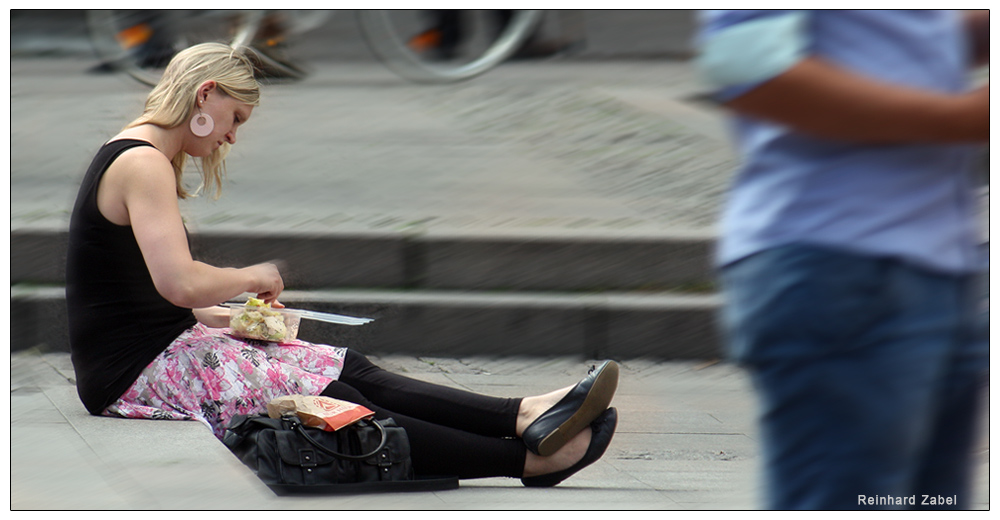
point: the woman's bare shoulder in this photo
(140, 173)
(145, 158)
(142, 167)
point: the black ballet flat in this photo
(603, 430)
(584, 403)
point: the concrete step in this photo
(619, 325)
(478, 261)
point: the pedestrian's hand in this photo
(977, 112)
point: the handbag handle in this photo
(297, 426)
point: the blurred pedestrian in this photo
(149, 340)
(850, 256)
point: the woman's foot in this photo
(598, 438)
(533, 407)
(571, 453)
(549, 421)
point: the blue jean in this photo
(870, 374)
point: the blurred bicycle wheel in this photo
(446, 45)
(142, 42)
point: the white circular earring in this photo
(202, 124)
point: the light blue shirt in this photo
(913, 202)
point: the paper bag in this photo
(319, 411)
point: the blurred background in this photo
(620, 34)
(562, 203)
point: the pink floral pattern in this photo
(209, 376)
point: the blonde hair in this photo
(172, 101)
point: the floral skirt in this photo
(209, 376)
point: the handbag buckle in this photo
(307, 458)
(384, 462)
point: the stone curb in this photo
(455, 324)
(428, 261)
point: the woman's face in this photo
(228, 115)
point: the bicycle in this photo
(142, 42)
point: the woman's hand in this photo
(267, 282)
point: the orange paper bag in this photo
(318, 411)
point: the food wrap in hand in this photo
(318, 411)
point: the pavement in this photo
(686, 440)
(506, 233)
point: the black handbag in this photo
(291, 458)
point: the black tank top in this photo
(118, 322)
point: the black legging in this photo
(451, 431)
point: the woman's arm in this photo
(218, 316)
(822, 99)
(215, 317)
(149, 196)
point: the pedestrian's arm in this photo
(822, 99)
